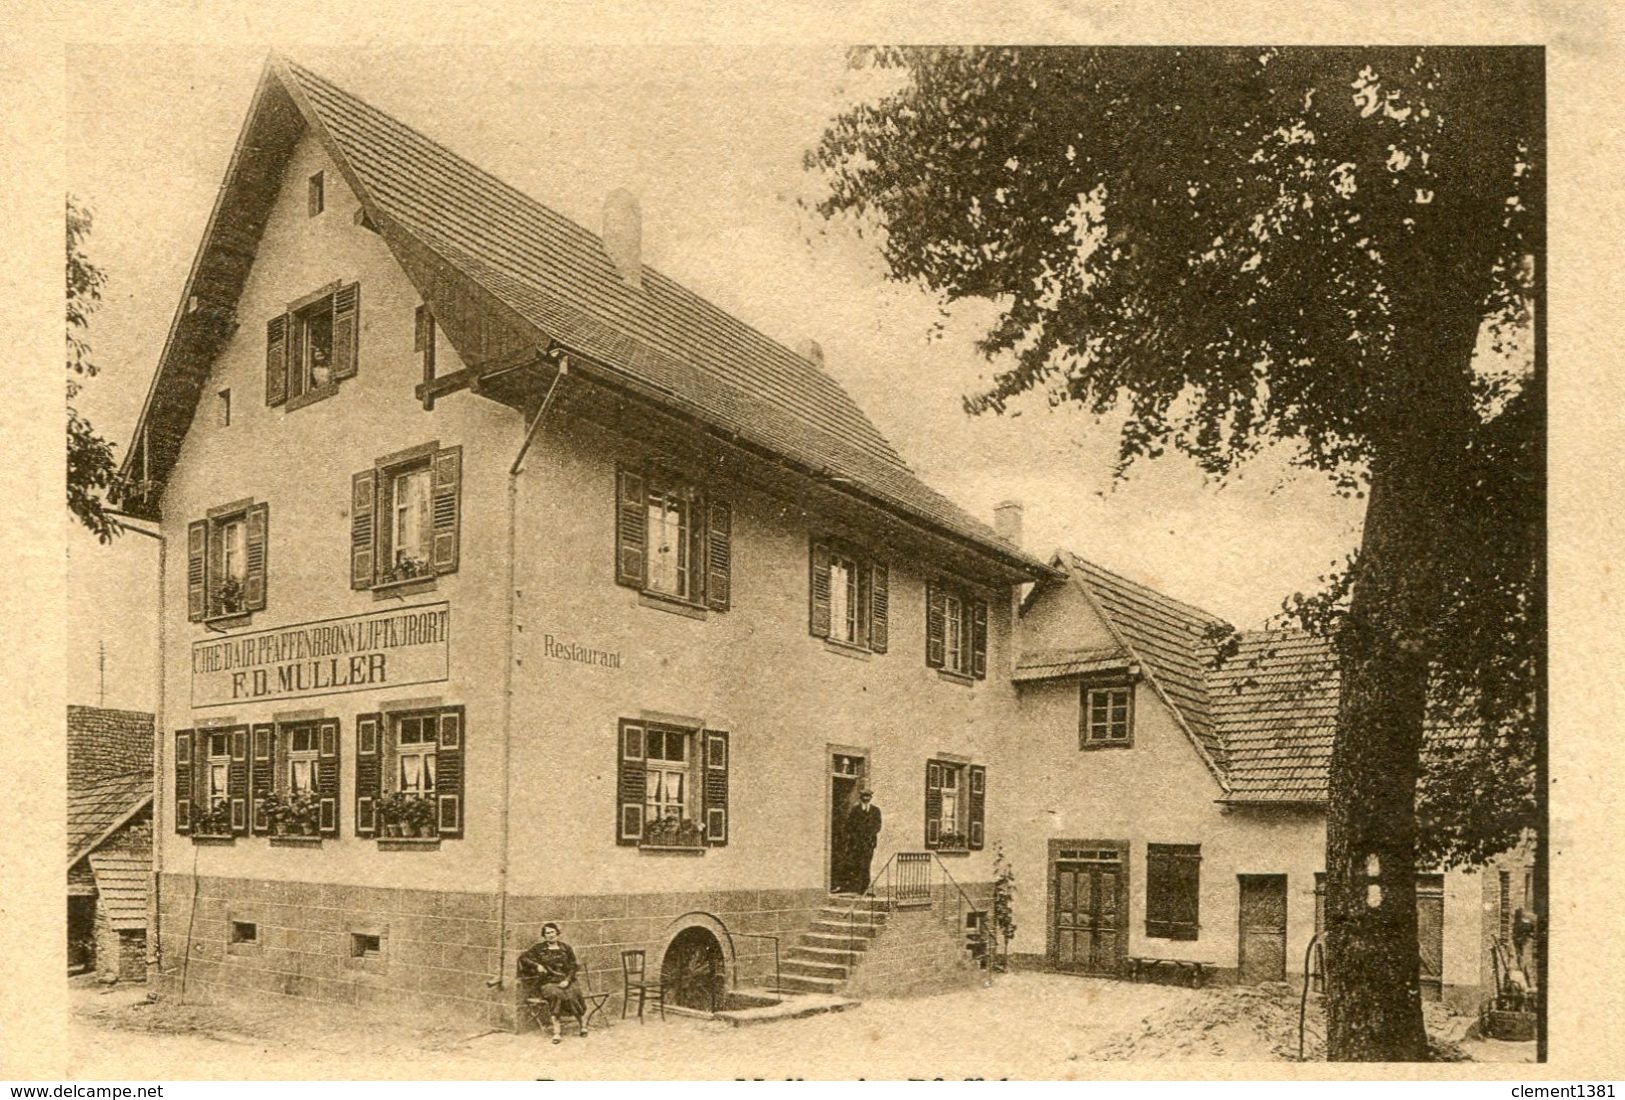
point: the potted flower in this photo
(406, 568)
(952, 842)
(418, 816)
(673, 832)
(216, 820)
(228, 596)
(303, 812)
(391, 807)
(275, 808)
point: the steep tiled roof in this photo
(558, 277)
(121, 880)
(1051, 664)
(1168, 637)
(97, 807)
(1274, 702)
(103, 742)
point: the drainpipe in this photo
(496, 981)
(155, 876)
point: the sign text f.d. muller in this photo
(404, 645)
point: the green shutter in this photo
(369, 772)
(879, 607)
(184, 774)
(978, 805)
(630, 524)
(363, 517)
(447, 508)
(933, 801)
(261, 776)
(258, 543)
(818, 590)
(327, 777)
(978, 638)
(449, 772)
(718, 555)
(197, 570)
(936, 617)
(629, 783)
(237, 779)
(346, 330)
(715, 787)
(276, 359)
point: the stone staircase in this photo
(824, 957)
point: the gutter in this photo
(503, 814)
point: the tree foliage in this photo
(92, 473)
(1240, 248)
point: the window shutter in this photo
(369, 772)
(448, 780)
(327, 777)
(978, 637)
(629, 783)
(197, 543)
(237, 780)
(818, 589)
(933, 802)
(183, 781)
(1172, 890)
(630, 522)
(879, 607)
(214, 562)
(936, 615)
(715, 788)
(276, 359)
(261, 777)
(258, 540)
(201, 803)
(363, 514)
(978, 804)
(718, 555)
(447, 507)
(346, 330)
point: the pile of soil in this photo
(1250, 1023)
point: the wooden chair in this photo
(536, 1005)
(636, 980)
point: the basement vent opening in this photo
(365, 945)
(243, 931)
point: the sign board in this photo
(403, 645)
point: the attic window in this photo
(1108, 716)
(317, 194)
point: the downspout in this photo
(497, 980)
(155, 876)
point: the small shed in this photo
(109, 840)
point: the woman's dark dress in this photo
(555, 964)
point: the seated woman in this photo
(555, 964)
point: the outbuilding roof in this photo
(551, 277)
(97, 808)
(121, 880)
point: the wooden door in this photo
(1430, 934)
(1088, 931)
(1262, 928)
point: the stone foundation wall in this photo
(437, 951)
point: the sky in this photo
(711, 142)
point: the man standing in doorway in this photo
(862, 831)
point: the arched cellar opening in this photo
(694, 970)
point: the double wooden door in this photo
(1090, 910)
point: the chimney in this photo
(1007, 521)
(623, 235)
(811, 350)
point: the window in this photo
(1107, 716)
(850, 596)
(317, 196)
(225, 567)
(955, 631)
(673, 786)
(243, 931)
(955, 804)
(312, 346)
(294, 778)
(1172, 890)
(672, 541)
(223, 408)
(211, 781)
(406, 517)
(409, 770)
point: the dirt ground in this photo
(1025, 1026)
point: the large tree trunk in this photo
(1374, 1001)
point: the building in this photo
(109, 840)
(508, 581)
(479, 529)
(1175, 804)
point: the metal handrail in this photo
(868, 891)
(778, 975)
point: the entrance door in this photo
(1430, 934)
(846, 777)
(1089, 906)
(1263, 928)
